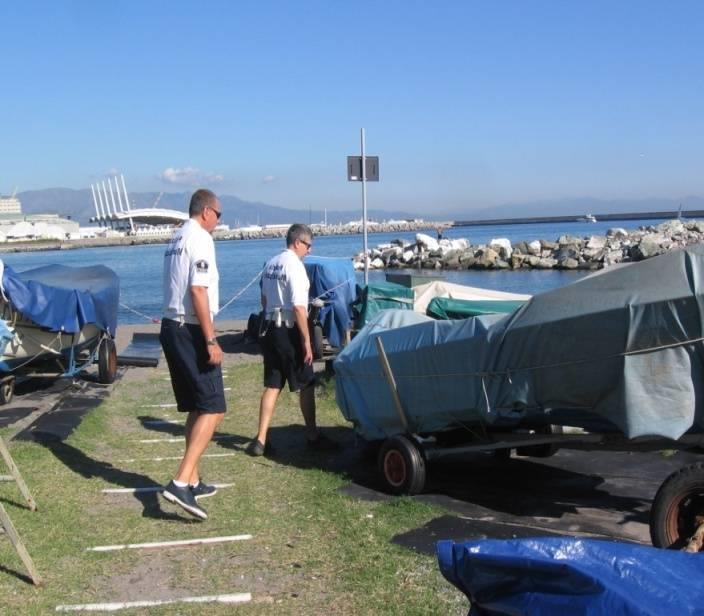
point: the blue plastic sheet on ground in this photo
(558, 576)
(64, 299)
(333, 281)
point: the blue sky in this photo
(467, 104)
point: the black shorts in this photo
(197, 385)
(283, 359)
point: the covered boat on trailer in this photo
(618, 354)
(57, 320)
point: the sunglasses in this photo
(308, 245)
(218, 213)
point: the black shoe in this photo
(184, 497)
(203, 490)
(322, 443)
(255, 449)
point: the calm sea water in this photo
(139, 267)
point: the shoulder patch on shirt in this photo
(201, 266)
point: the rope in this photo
(344, 282)
(249, 284)
(40, 353)
(141, 314)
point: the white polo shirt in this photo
(285, 283)
(189, 261)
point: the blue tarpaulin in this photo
(64, 299)
(557, 576)
(333, 281)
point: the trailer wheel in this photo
(107, 361)
(7, 390)
(317, 341)
(402, 466)
(541, 451)
(678, 502)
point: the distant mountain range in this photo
(78, 205)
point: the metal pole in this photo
(102, 209)
(364, 214)
(95, 203)
(119, 197)
(127, 200)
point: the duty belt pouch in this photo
(263, 325)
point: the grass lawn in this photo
(314, 550)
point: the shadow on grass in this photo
(20, 576)
(88, 467)
(235, 441)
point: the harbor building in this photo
(10, 205)
(15, 226)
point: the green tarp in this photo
(445, 308)
(381, 296)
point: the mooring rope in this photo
(249, 284)
(141, 314)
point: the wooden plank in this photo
(15, 472)
(392, 382)
(18, 545)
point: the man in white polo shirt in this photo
(191, 349)
(286, 344)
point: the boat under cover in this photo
(50, 310)
(617, 351)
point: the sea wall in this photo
(342, 229)
(232, 234)
(567, 252)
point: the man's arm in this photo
(201, 306)
(301, 315)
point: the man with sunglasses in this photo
(286, 345)
(191, 349)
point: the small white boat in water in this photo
(587, 218)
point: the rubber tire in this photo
(541, 451)
(317, 341)
(402, 466)
(678, 500)
(7, 390)
(107, 361)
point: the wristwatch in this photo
(211, 341)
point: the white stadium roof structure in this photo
(111, 210)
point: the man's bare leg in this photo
(200, 435)
(266, 411)
(190, 421)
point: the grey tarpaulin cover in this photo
(620, 350)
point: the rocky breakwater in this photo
(350, 228)
(568, 252)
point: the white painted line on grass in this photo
(181, 439)
(230, 388)
(159, 406)
(168, 544)
(205, 455)
(151, 489)
(240, 597)
(162, 422)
